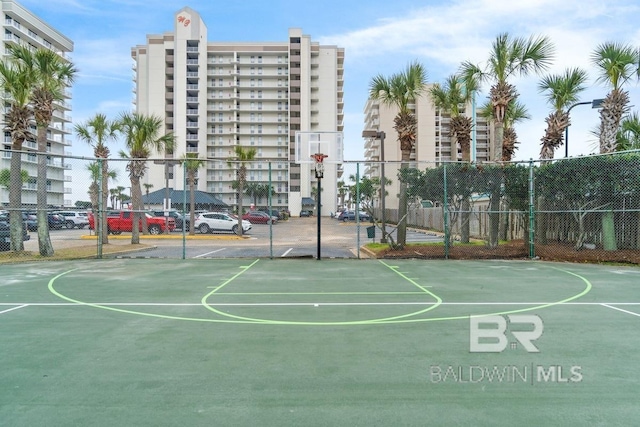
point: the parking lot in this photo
(296, 237)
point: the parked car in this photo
(74, 219)
(30, 221)
(257, 217)
(5, 235)
(273, 212)
(119, 221)
(177, 217)
(351, 216)
(56, 222)
(305, 212)
(219, 221)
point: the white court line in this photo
(286, 253)
(14, 308)
(209, 253)
(619, 309)
(162, 304)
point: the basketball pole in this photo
(319, 204)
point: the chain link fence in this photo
(579, 209)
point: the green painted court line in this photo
(119, 310)
(585, 291)
(301, 323)
(320, 293)
(390, 320)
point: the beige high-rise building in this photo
(216, 95)
(433, 145)
(22, 26)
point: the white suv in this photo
(74, 219)
(209, 222)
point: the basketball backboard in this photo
(310, 143)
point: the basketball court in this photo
(307, 342)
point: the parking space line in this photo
(209, 253)
(286, 253)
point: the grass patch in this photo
(77, 252)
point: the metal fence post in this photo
(357, 209)
(532, 251)
(270, 202)
(445, 214)
(99, 217)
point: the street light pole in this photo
(380, 135)
(594, 104)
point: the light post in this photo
(594, 104)
(379, 135)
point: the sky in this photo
(379, 37)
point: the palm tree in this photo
(16, 79)
(147, 187)
(192, 164)
(95, 173)
(509, 57)
(97, 132)
(119, 192)
(617, 64)
(242, 157)
(562, 91)
(342, 192)
(628, 136)
(401, 91)
(451, 97)
(52, 74)
(516, 112)
(113, 196)
(142, 136)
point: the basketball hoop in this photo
(318, 160)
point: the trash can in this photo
(371, 232)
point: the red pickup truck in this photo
(119, 221)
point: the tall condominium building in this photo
(218, 95)
(433, 145)
(22, 26)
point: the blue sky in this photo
(379, 37)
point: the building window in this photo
(253, 59)
(253, 93)
(259, 59)
(279, 71)
(253, 70)
(259, 94)
(280, 82)
(253, 82)
(259, 105)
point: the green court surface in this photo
(319, 343)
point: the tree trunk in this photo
(465, 216)
(494, 218)
(15, 199)
(496, 152)
(105, 195)
(44, 239)
(401, 240)
(136, 199)
(608, 232)
(192, 205)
